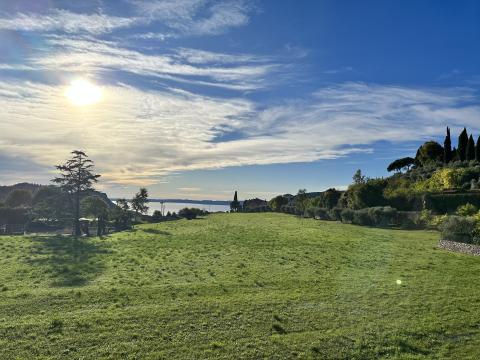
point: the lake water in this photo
(175, 207)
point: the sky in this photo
(200, 98)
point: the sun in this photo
(82, 93)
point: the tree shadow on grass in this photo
(67, 260)
(156, 232)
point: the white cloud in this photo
(136, 136)
(179, 17)
(63, 20)
(195, 17)
(196, 56)
(83, 55)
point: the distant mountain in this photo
(5, 190)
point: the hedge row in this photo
(448, 203)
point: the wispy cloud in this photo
(82, 55)
(194, 17)
(138, 136)
(63, 20)
(178, 17)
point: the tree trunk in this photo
(77, 231)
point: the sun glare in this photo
(82, 92)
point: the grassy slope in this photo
(243, 285)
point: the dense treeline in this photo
(433, 189)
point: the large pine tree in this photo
(76, 177)
(470, 149)
(447, 147)
(462, 145)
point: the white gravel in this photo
(460, 247)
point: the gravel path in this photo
(460, 247)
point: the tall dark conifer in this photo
(455, 154)
(447, 148)
(470, 149)
(462, 145)
(235, 204)
(477, 149)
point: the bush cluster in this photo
(460, 229)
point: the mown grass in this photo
(239, 286)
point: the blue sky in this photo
(201, 98)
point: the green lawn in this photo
(239, 286)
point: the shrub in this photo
(466, 210)
(362, 217)
(191, 213)
(437, 220)
(322, 214)
(157, 216)
(336, 213)
(407, 219)
(367, 194)
(347, 215)
(309, 212)
(458, 228)
(382, 216)
(374, 216)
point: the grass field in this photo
(239, 286)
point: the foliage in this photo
(368, 194)
(157, 216)
(336, 213)
(140, 201)
(121, 217)
(123, 204)
(277, 202)
(466, 210)
(51, 205)
(19, 198)
(400, 164)
(470, 153)
(301, 200)
(447, 147)
(347, 215)
(462, 145)
(477, 150)
(321, 214)
(429, 152)
(255, 205)
(358, 178)
(76, 176)
(448, 203)
(362, 217)
(96, 207)
(235, 204)
(373, 216)
(13, 216)
(458, 228)
(93, 206)
(330, 197)
(191, 213)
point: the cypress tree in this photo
(477, 149)
(462, 145)
(447, 148)
(235, 205)
(470, 149)
(454, 154)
